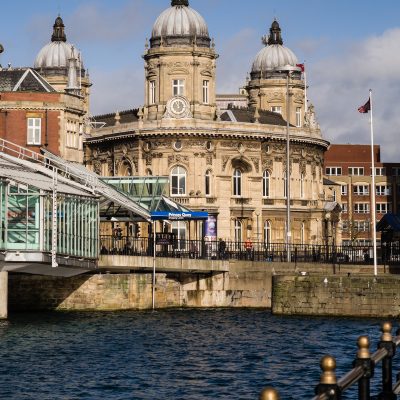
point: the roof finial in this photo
(58, 31)
(180, 3)
(275, 36)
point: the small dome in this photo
(272, 57)
(274, 54)
(57, 53)
(180, 25)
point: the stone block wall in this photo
(331, 295)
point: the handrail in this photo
(330, 388)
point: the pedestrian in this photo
(221, 249)
(248, 245)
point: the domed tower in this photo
(61, 64)
(180, 66)
(268, 78)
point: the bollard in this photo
(328, 383)
(364, 360)
(386, 343)
(269, 393)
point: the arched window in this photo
(267, 234)
(179, 228)
(302, 186)
(178, 181)
(238, 231)
(207, 183)
(237, 182)
(125, 169)
(266, 176)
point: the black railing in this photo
(258, 251)
(362, 373)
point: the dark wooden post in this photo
(386, 343)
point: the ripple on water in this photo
(172, 354)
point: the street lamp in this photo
(288, 70)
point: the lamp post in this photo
(288, 70)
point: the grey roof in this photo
(328, 182)
(27, 176)
(247, 115)
(23, 80)
(109, 119)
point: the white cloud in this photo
(340, 84)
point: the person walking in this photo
(248, 245)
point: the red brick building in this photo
(349, 165)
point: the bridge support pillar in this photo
(3, 294)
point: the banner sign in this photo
(210, 231)
(179, 215)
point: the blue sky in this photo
(349, 47)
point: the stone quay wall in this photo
(330, 295)
(247, 284)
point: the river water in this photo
(172, 354)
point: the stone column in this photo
(3, 295)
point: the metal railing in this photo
(364, 365)
(258, 251)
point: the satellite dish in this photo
(1, 48)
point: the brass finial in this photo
(363, 347)
(269, 393)
(386, 329)
(328, 366)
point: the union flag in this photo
(301, 66)
(365, 108)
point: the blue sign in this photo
(179, 215)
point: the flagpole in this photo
(373, 191)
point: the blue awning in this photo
(389, 222)
(179, 215)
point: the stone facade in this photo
(230, 163)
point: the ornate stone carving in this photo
(302, 167)
(275, 97)
(97, 167)
(225, 160)
(310, 119)
(197, 143)
(209, 159)
(256, 162)
(178, 158)
(268, 163)
(110, 166)
(148, 157)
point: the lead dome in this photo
(273, 55)
(56, 54)
(180, 25)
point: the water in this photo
(173, 354)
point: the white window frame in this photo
(276, 109)
(344, 208)
(343, 190)
(237, 183)
(267, 233)
(178, 87)
(333, 171)
(298, 117)
(266, 183)
(380, 171)
(152, 92)
(383, 208)
(383, 190)
(206, 91)
(238, 230)
(34, 131)
(361, 208)
(361, 190)
(356, 171)
(178, 187)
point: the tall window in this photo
(302, 186)
(152, 90)
(179, 229)
(34, 130)
(302, 232)
(333, 171)
(238, 231)
(276, 109)
(237, 183)
(267, 233)
(178, 87)
(178, 181)
(298, 117)
(206, 85)
(344, 190)
(266, 184)
(356, 171)
(208, 183)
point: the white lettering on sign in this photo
(179, 216)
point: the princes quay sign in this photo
(178, 215)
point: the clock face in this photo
(178, 106)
